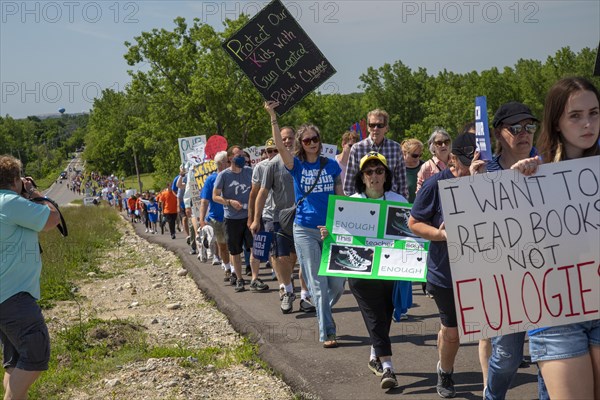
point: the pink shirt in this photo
(431, 167)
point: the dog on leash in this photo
(206, 243)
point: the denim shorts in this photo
(23, 334)
(564, 341)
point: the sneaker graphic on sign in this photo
(349, 259)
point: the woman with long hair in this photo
(568, 355)
(315, 178)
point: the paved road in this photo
(59, 192)
(289, 343)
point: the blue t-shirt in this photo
(312, 211)
(20, 260)
(215, 210)
(235, 186)
(428, 208)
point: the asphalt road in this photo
(59, 192)
(289, 343)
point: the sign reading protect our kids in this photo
(370, 239)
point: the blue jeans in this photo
(507, 354)
(325, 290)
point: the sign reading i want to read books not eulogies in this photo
(278, 57)
(370, 239)
(524, 251)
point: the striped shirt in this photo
(391, 150)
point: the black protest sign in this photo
(278, 57)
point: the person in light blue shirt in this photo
(23, 332)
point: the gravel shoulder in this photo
(149, 287)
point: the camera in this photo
(30, 180)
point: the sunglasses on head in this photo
(379, 125)
(314, 139)
(271, 151)
(516, 129)
(370, 171)
(442, 142)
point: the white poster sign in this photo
(524, 251)
(187, 144)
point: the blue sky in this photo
(57, 54)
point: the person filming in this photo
(23, 333)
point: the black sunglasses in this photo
(467, 151)
(314, 139)
(380, 125)
(441, 142)
(378, 171)
(516, 129)
(271, 151)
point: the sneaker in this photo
(388, 379)
(445, 384)
(227, 275)
(173, 236)
(306, 306)
(239, 286)
(188, 240)
(287, 303)
(248, 270)
(192, 252)
(233, 279)
(258, 285)
(375, 366)
(216, 260)
(146, 230)
(281, 293)
(403, 317)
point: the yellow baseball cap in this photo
(373, 155)
(270, 144)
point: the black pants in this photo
(374, 298)
(171, 221)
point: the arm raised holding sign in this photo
(286, 155)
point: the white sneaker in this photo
(216, 260)
(146, 230)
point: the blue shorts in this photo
(23, 334)
(564, 341)
(283, 245)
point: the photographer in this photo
(23, 332)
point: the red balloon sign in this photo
(214, 144)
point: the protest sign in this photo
(370, 239)
(482, 131)
(201, 172)
(329, 150)
(89, 201)
(278, 57)
(262, 245)
(187, 144)
(524, 251)
(215, 144)
(255, 154)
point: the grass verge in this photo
(84, 352)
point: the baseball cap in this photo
(270, 144)
(511, 113)
(464, 148)
(373, 155)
